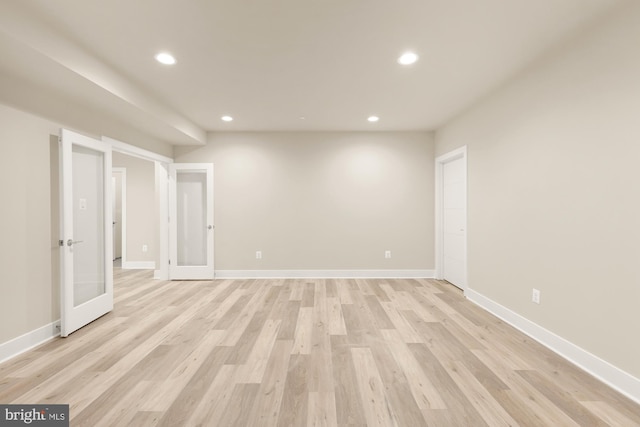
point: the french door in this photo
(191, 221)
(86, 231)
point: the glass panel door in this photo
(85, 237)
(88, 217)
(191, 218)
(191, 234)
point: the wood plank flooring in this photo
(305, 353)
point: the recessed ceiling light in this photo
(407, 58)
(226, 118)
(165, 58)
(373, 119)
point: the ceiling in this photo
(279, 65)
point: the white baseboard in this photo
(615, 377)
(28, 341)
(324, 274)
(138, 265)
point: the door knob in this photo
(71, 242)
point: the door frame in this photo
(457, 154)
(162, 196)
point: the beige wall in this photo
(117, 177)
(315, 200)
(67, 111)
(554, 191)
(141, 207)
(27, 289)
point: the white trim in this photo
(132, 150)
(615, 377)
(325, 274)
(162, 206)
(460, 153)
(139, 265)
(25, 342)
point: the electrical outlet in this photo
(258, 254)
(535, 296)
(387, 254)
(145, 248)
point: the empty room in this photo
(320, 213)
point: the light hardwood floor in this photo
(306, 352)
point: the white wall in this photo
(321, 201)
(554, 191)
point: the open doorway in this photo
(143, 178)
(136, 232)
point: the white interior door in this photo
(191, 221)
(454, 219)
(86, 230)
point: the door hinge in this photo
(169, 262)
